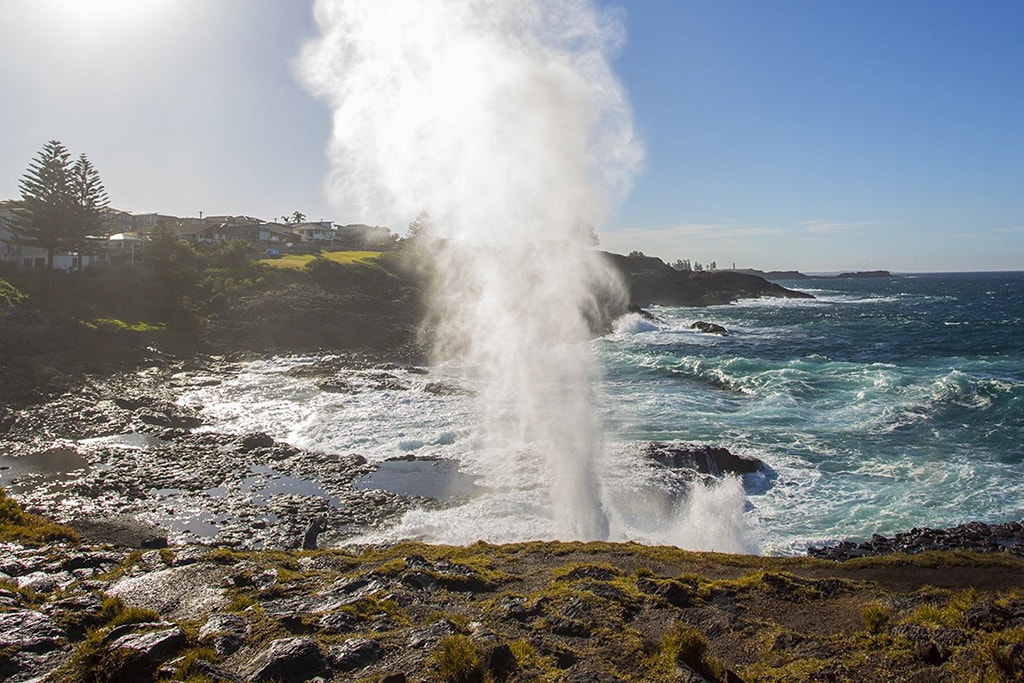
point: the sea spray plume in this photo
(501, 117)
(504, 120)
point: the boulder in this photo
(44, 582)
(254, 440)
(225, 632)
(139, 655)
(189, 592)
(288, 660)
(500, 660)
(340, 622)
(430, 636)
(28, 630)
(702, 458)
(353, 654)
(154, 646)
(709, 328)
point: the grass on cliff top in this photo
(299, 261)
(18, 526)
(113, 323)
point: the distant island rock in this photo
(865, 274)
(773, 275)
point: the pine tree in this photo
(422, 228)
(46, 208)
(89, 199)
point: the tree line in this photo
(62, 202)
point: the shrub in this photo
(875, 617)
(683, 645)
(687, 645)
(458, 661)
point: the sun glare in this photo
(105, 16)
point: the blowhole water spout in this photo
(503, 119)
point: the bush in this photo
(875, 617)
(686, 645)
(683, 646)
(459, 661)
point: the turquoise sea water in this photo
(881, 405)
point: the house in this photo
(124, 247)
(257, 233)
(359, 236)
(28, 256)
(319, 231)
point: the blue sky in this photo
(808, 134)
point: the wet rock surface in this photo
(709, 328)
(974, 536)
(123, 461)
(702, 458)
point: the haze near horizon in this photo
(810, 136)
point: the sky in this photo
(817, 135)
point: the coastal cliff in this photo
(651, 281)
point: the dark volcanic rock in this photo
(120, 530)
(702, 458)
(709, 328)
(154, 645)
(675, 593)
(975, 536)
(137, 656)
(255, 440)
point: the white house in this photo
(26, 256)
(319, 231)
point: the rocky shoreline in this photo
(122, 449)
(157, 593)
(973, 536)
(122, 460)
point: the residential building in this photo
(319, 231)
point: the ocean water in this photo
(880, 405)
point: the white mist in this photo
(504, 121)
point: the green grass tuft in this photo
(18, 526)
(10, 296)
(139, 326)
(458, 661)
(875, 616)
(1002, 653)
